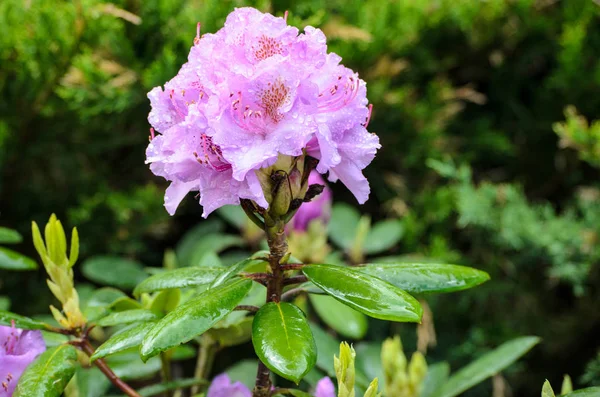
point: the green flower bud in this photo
(344, 370)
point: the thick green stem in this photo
(277, 241)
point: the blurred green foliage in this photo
(485, 111)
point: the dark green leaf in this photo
(369, 295)
(49, 374)
(342, 226)
(178, 278)
(123, 340)
(383, 236)
(343, 319)
(283, 340)
(6, 318)
(194, 317)
(114, 271)
(11, 260)
(166, 301)
(437, 376)
(127, 317)
(9, 236)
(183, 352)
(487, 365)
(125, 303)
(427, 277)
(213, 243)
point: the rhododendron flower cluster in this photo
(254, 91)
(18, 348)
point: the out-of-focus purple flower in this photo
(325, 388)
(255, 90)
(318, 208)
(221, 386)
(18, 348)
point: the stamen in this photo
(285, 15)
(151, 134)
(366, 124)
(197, 38)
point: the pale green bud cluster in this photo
(59, 267)
(345, 373)
(402, 378)
(310, 246)
(283, 182)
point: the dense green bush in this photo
(485, 111)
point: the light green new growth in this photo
(567, 385)
(344, 371)
(60, 270)
(402, 379)
(547, 390)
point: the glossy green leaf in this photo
(369, 295)
(6, 318)
(49, 374)
(12, 260)
(194, 317)
(487, 365)
(9, 236)
(123, 340)
(114, 271)
(588, 392)
(343, 319)
(161, 388)
(437, 376)
(427, 277)
(298, 393)
(178, 278)
(127, 317)
(283, 340)
(125, 303)
(342, 225)
(383, 236)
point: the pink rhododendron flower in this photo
(18, 348)
(255, 90)
(319, 208)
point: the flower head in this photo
(221, 386)
(18, 348)
(254, 91)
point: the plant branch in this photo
(206, 357)
(277, 241)
(249, 308)
(291, 294)
(292, 266)
(295, 280)
(86, 346)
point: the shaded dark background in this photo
(485, 111)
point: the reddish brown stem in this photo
(87, 347)
(295, 280)
(278, 248)
(292, 266)
(249, 308)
